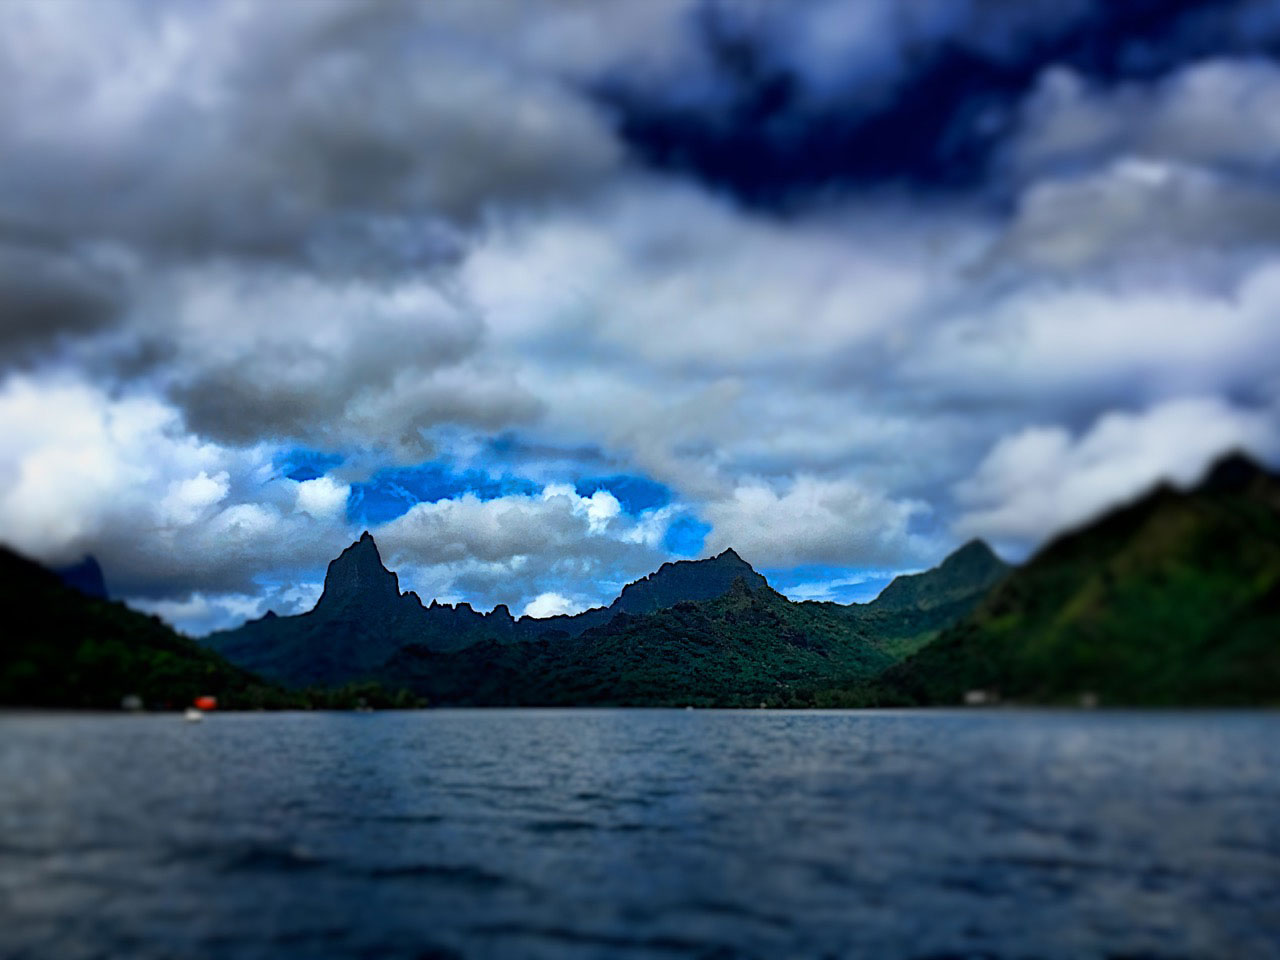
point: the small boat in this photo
(192, 715)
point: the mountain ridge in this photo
(1171, 599)
(362, 618)
(353, 635)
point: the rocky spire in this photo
(357, 577)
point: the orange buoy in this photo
(206, 703)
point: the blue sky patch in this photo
(635, 493)
(821, 582)
(302, 465)
(685, 536)
(392, 492)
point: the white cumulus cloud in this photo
(1042, 480)
(323, 497)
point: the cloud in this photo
(512, 548)
(550, 605)
(780, 357)
(52, 293)
(554, 525)
(859, 588)
(1178, 166)
(328, 363)
(815, 522)
(323, 498)
(266, 131)
(767, 296)
(1042, 480)
(1083, 347)
(206, 534)
(698, 342)
(784, 106)
(199, 613)
(165, 512)
(189, 498)
(1148, 211)
(1214, 114)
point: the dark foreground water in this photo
(625, 834)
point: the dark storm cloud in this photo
(290, 185)
(773, 117)
(303, 130)
(48, 293)
(338, 365)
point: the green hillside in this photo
(749, 646)
(971, 569)
(1172, 600)
(741, 649)
(62, 648)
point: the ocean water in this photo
(621, 833)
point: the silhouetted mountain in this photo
(63, 648)
(745, 646)
(1173, 599)
(681, 581)
(362, 619)
(85, 576)
(357, 582)
(687, 581)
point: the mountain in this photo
(1171, 600)
(687, 581)
(362, 619)
(639, 649)
(913, 608)
(746, 646)
(85, 576)
(974, 568)
(680, 581)
(63, 648)
(357, 582)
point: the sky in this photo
(545, 294)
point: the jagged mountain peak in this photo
(687, 580)
(357, 575)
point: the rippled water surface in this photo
(641, 834)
